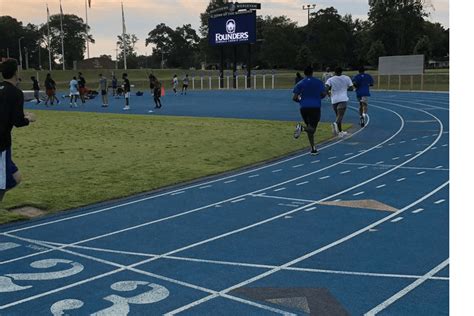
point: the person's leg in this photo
(341, 110)
(334, 125)
(70, 99)
(106, 97)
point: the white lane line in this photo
(408, 155)
(261, 266)
(280, 189)
(379, 162)
(254, 176)
(414, 138)
(358, 193)
(344, 172)
(348, 154)
(180, 192)
(425, 136)
(391, 144)
(395, 158)
(277, 170)
(301, 183)
(333, 157)
(297, 166)
(310, 254)
(401, 179)
(205, 187)
(418, 210)
(325, 177)
(377, 309)
(391, 166)
(439, 167)
(434, 135)
(238, 200)
(316, 161)
(363, 167)
(294, 200)
(439, 201)
(433, 148)
(4, 246)
(445, 145)
(381, 186)
(396, 219)
(421, 172)
(403, 142)
(338, 200)
(229, 181)
(310, 209)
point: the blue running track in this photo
(363, 228)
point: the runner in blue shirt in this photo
(308, 93)
(362, 82)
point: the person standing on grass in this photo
(308, 93)
(103, 90)
(36, 89)
(157, 93)
(174, 83)
(362, 83)
(50, 86)
(73, 91)
(82, 88)
(114, 85)
(338, 86)
(11, 114)
(328, 74)
(185, 84)
(126, 91)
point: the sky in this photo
(143, 15)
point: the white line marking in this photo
(238, 200)
(408, 155)
(401, 179)
(333, 157)
(277, 170)
(297, 166)
(4, 246)
(338, 200)
(418, 210)
(395, 158)
(310, 254)
(414, 138)
(325, 177)
(230, 181)
(377, 309)
(433, 148)
(205, 187)
(434, 135)
(316, 161)
(348, 154)
(363, 167)
(254, 176)
(381, 186)
(396, 219)
(403, 142)
(301, 183)
(280, 189)
(380, 162)
(358, 193)
(180, 192)
(421, 172)
(283, 198)
(310, 209)
(391, 166)
(425, 136)
(445, 145)
(439, 201)
(439, 167)
(344, 172)
(391, 144)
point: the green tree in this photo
(76, 32)
(439, 39)
(424, 47)
(397, 24)
(376, 50)
(303, 57)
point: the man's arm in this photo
(19, 118)
(296, 97)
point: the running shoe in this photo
(126, 108)
(366, 118)
(298, 131)
(362, 121)
(314, 152)
(342, 134)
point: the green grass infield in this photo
(70, 160)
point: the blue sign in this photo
(233, 29)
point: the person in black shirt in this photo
(50, 86)
(82, 87)
(36, 89)
(157, 93)
(11, 114)
(126, 91)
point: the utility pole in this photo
(26, 58)
(19, 52)
(309, 7)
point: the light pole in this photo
(309, 7)
(26, 57)
(19, 52)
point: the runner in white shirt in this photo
(339, 85)
(174, 83)
(73, 91)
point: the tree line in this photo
(393, 27)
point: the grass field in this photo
(74, 159)
(433, 80)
